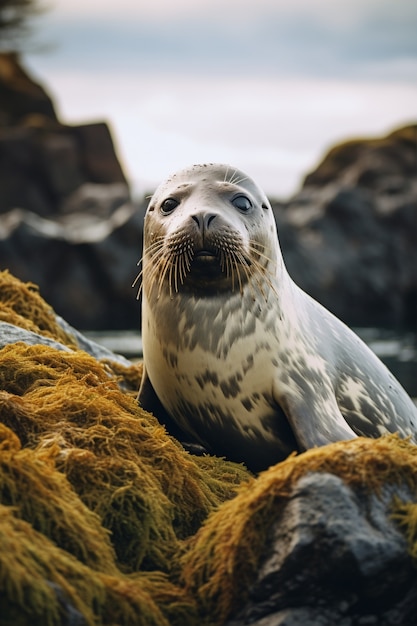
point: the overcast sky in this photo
(266, 85)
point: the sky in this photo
(266, 86)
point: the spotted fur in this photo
(235, 353)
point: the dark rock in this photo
(85, 265)
(97, 154)
(67, 220)
(20, 95)
(371, 163)
(335, 557)
(43, 161)
(349, 237)
(96, 199)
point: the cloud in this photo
(267, 86)
(302, 38)
(342, 11)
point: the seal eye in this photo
(242, 203)
(169, 205)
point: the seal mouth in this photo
(205, 254)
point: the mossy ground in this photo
(104, 516)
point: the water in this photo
(398, 352)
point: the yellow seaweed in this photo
(222, 558)
(105, 515)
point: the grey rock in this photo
(10, 334)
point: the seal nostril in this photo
(208, 219)
(196, 218)
(203, 220)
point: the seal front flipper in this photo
(149, 401)
(316, 423)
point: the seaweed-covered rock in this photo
(105, 519)
(327, 537)
(356, 568)
(96, 499)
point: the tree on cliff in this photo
(15, 16)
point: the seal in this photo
(235, 354)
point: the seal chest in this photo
(235, 354)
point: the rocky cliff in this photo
(66, 216)
(349, 237)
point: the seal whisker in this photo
(151, 276)
(189, 255)
(181, 268)
(230, 269)
(170, 274)
(254, 247)
(261, 269)
(173, 272)
(137, 278)
(238, 180)
(166, 264)
(249, 272)
(226, 179)
(235, 259)
(178, 272)
(234, 178)
(223, 263)
(154, 247)
(264, 276)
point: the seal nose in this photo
(203, 220)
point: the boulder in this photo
(349, 237)
(20, 95)
(42, 161)
(85, 265)
(334, 556)
(322, 538)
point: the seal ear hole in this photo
(169, 205)
(264, 206)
